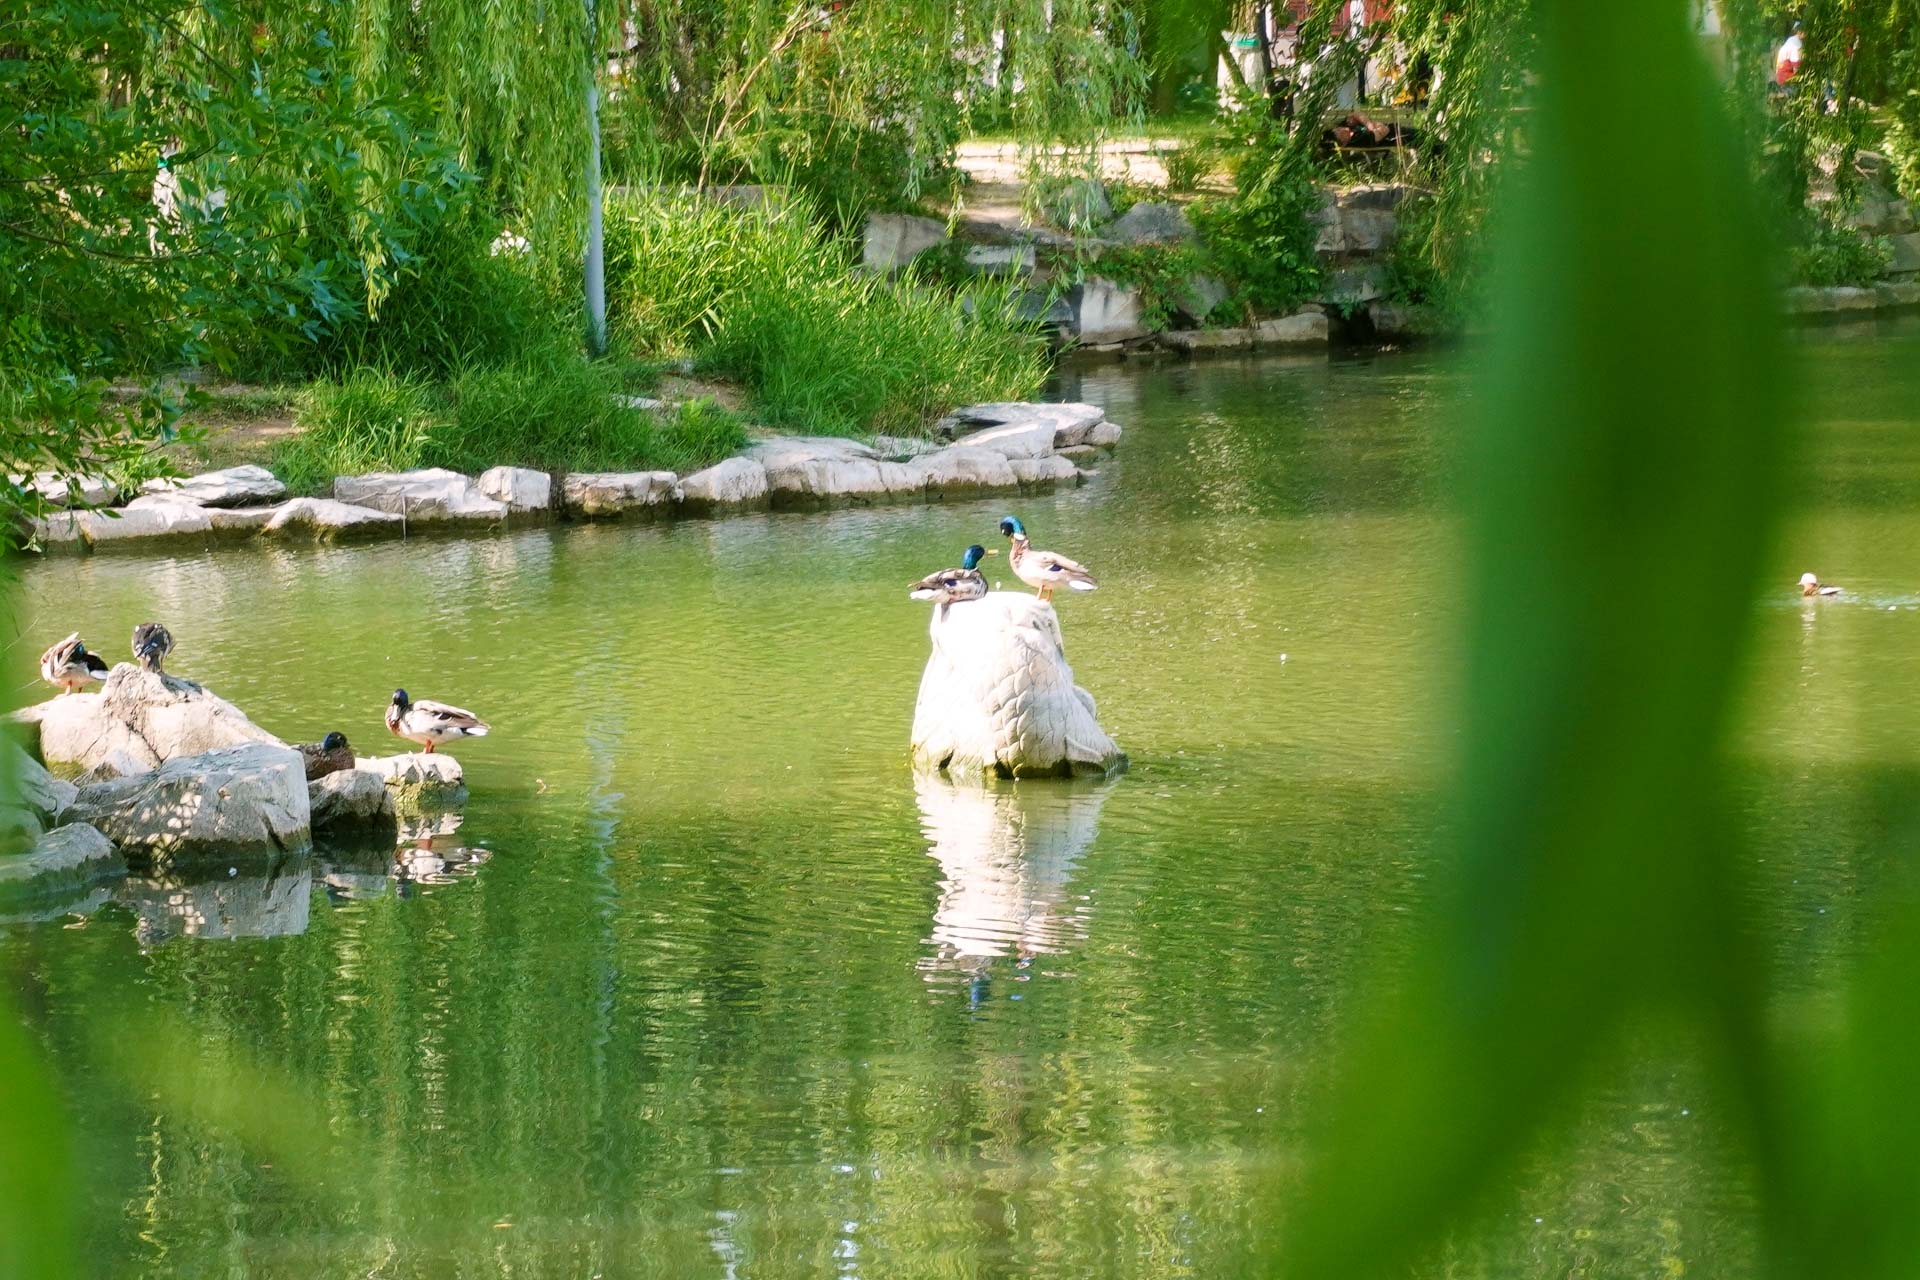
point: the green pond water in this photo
(707, 983)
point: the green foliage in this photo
(571, 417)
(763, 296)
(1162, 273)
(565, 416)
(1831, 254)
(370, 420)
(1261, 241)
(1186, 167)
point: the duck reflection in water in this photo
(429, 851)
(1007, 853)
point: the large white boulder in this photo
(161, 522)
(1107, 312)
(998, 697)
(329, 521)
(618, 494)
(137, 721)
(736, 484)
(961, 469)
(825, 471)
(63, 859)
(892, 240)
(523, 489)
(228, 802)
(350, 798)
(428, 496)
(243, 486)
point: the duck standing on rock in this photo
(69, 666)
(1812, 586)
(329, 755)
(151, 645)
(950, 586)
(1042, 570)
(431, 723)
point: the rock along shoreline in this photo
(982, 449)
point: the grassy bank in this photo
(570, 417)
(766, 297)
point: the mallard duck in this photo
(151, 645)
(329, 755)
(1042, 570)
(950, 586)
(1812, 586)
(431, 723)
(69, 666)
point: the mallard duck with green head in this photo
(70, 667)
(1042, 570)
(431, 724)
(951, 586)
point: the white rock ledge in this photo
(980, 449)
(998, 698)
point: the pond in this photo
(708, 983)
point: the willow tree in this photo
(860, 101)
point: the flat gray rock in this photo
(327, 520)
(229, 802)
(1150, 222)
(522, 489)
(598, 495)
(243, 486)
(736, 484)
(63, 859)
(350, 798)
(431, 495)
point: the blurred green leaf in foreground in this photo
(1624, 484)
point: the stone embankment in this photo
(162, 773)
(981, 449)
(1356, 231)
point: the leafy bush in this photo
(1262, 239)
(1831, 254)
(1162, 273)
(763, 296)
(1186, 166)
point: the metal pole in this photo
(596, 254)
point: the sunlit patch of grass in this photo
(762, 295)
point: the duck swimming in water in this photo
(70, 667)
(950, 586)
(1042, 570)
(1812, 586)
(431, 724)
(151, 645)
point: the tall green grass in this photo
(563, 416)
(765, 296)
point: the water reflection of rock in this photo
(269, 903)
(275, 900)
(1006, 854)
